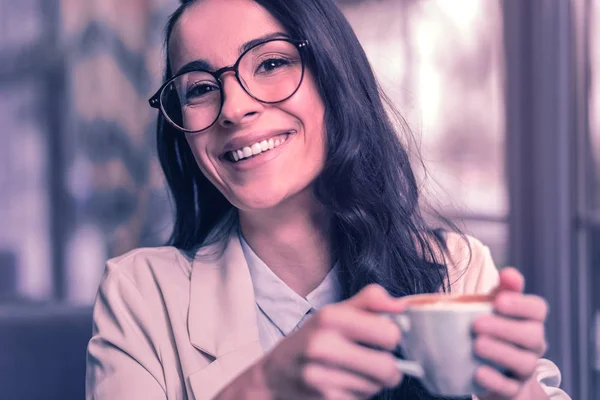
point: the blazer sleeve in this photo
(123, 361)
(481, 277)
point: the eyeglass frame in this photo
(155, 100)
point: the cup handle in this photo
(411, 368)
(403, 322)
(401, 319)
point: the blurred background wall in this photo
(502, 97)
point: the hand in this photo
(335, 355)
(513, 339)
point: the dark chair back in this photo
(42, 352)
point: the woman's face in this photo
(214, 31)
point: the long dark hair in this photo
(367, 185)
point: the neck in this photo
(292, 239)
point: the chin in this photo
(264, 197)
(259, 202)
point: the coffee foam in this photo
(448, 301)
(450, 305)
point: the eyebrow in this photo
(205, 65)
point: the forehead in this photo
(214, 30)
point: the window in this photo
(441, 63)
(25, 242)
(80, 179)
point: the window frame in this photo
(546, 83)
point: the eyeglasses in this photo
(270, 72)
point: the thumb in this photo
(510, 279)
(375, 298)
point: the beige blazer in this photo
(168, 327)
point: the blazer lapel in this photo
(222, 317)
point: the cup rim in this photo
(416, 301)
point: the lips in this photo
(249, 139)
(257, 148)
(253, 144)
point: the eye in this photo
(200, 90)
(272, 64)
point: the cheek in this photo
(314, 103)
(311, 110)
(316, 126)
(198, 146)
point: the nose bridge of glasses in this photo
(219, 74)
(222, 71)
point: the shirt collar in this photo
(284, 307)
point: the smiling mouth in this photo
(257, 148)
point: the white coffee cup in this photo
(437, 341)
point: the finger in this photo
(339, 395)
(496, 383)
(521, 363)
(327, 381)
(511, 279)
(375, 298)
(360, 326)
(526, 334)
(518, 305)
(332, 349)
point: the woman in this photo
(296, 225)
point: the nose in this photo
(238, 106)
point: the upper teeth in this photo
(258, 147)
